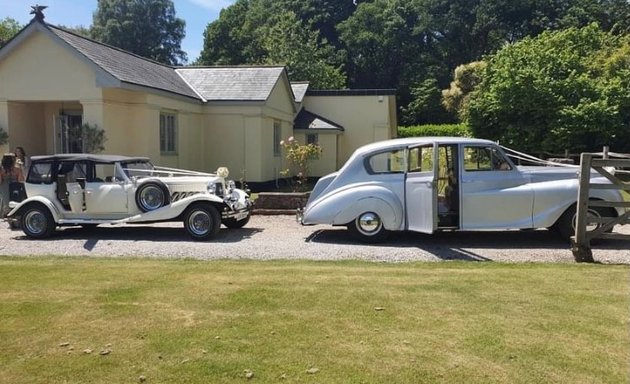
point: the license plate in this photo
(240, 216)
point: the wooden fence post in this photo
(580, 244)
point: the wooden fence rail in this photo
(581, 242)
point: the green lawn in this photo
(191, 321)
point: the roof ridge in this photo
(108, 46)
(237, 66)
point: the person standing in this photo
(22, 161)
(9, 173)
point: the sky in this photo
(71, 13)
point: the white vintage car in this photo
(88, 190)
(428, 184)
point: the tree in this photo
(290, 44)
(79, 30)
(560, 90)
(401, 44)
(466, 78)
(234, 38)
(148, 28)
(425, 106)
(8, 28)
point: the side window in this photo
(103, 173)
(168, 134)
(484, 159)
(312, 138)
(72, 170)
(421, 159)
(40, 173)
(387, 162)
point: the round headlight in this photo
(212, 188)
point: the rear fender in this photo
(342, 207)
(37, 200)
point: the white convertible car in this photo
(88, 190)
(428, 184)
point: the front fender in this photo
(341, 207)
(36, 199)
(556, 197)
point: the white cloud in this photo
(213, 5)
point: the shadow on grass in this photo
(453, 245)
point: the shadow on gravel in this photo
(452, 245)
(141, 233)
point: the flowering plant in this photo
(299, 157)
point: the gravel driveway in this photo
(280, 237)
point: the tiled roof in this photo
(309, 121)
(232, 83)
(299, 90)
(125, 66)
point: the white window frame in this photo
(168, 133)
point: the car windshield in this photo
(137, 168)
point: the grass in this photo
(190, 321)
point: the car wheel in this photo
(566, 223)
(235, 224)
(37, 222)
(151, 196)
(202, 222)
(368, 228)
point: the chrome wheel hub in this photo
(199, 222)
(369, 223)
(35, 222)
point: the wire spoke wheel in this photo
(202, 222)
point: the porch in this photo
(42, 127)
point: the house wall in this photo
(327, 163)
(240, 135)
(365, 119)
(66, 77)
(25, 88)
(27, 127)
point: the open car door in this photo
(421, 188)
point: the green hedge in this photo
(459, 130)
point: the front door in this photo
(68, 133)
(421, 189)
(495, 195)
(105, 195)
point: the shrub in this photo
(92, 137)
(458, 130)
(299, 157)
